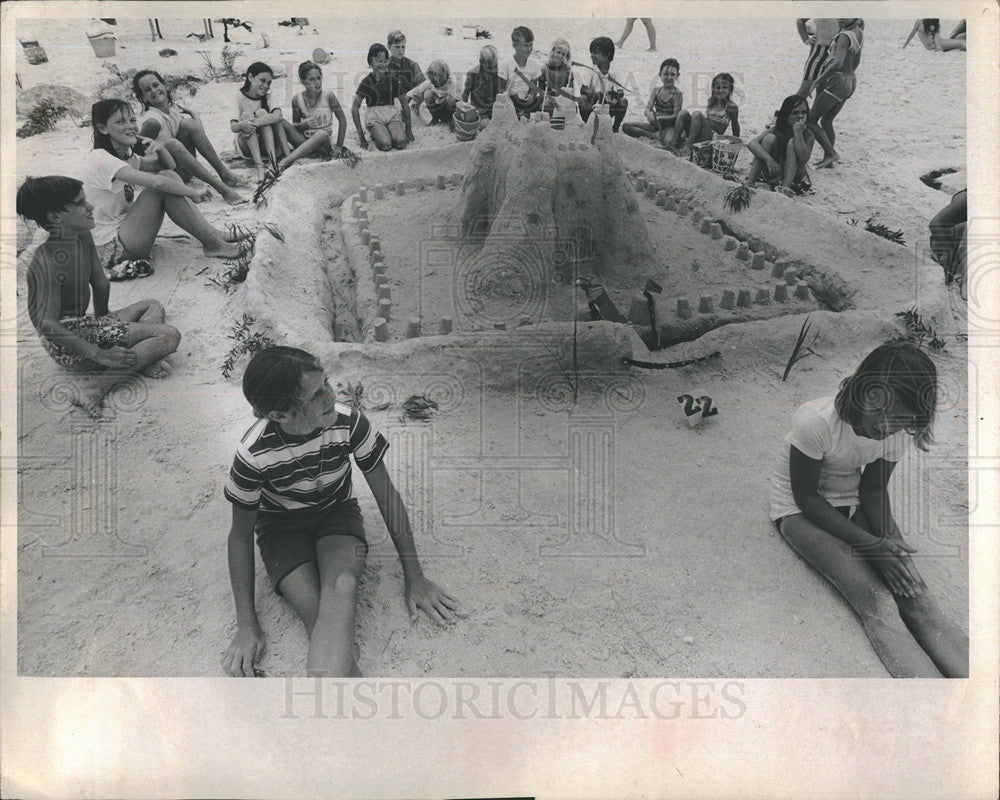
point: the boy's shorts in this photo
(106, 332)
(288, 540)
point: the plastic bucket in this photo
(103, 44)
(724, 154)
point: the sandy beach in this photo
(121, 549)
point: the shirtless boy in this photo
(63, 273)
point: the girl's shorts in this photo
(839, 85)
(287, 540)
(382, 115)
(106, 332)
(847, 511)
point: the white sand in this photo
(690, 505)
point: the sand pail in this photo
(103, 44)
(725, 151)
(33, 51)
(466, 121)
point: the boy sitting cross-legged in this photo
(64, 270)
(291, 483)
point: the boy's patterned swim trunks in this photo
(106, 332)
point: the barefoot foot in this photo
(223, 250)
(90, 400)
(161, 369)
(233, 198)
(828, 161)
(234, 181)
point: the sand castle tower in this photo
(551, 197)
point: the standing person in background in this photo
(819, 48)
(834, 85)
(650, 31)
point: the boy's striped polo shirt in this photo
(275, 471)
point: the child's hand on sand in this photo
(773, 167)
(115, 357)
(247, 646)
(433, 601)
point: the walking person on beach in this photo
(830, 502)
(291, 484)
(64, 274)
(834, 86)
(650, 32)
(131, 184)
(819, 48)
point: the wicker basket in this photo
(725, 151)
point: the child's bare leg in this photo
(940, 636)
(857, 581)
(306, 148)
(683, 126)
(192, 135)
(328, 604)
(380, 135)
(301, 589)
(191, 165)
(641, 130)
(253, 146)
(821, 124)
(147, 311)
(398, 134)
(266, 135)
(152, 343)
(184, 214)
(143, 221)
(754, 173)
(791, 168)
(281, 137)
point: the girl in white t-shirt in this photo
(830, 501)
(258, 127)
(131, 183)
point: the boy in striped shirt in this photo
(291, 483)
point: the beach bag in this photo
(725, 151)
(466, 122)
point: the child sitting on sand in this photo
(830, 501)
(929, 33)
(722, 112)
(180, 131)
(258, 127)
(556, 78)
(664, 106)
(127, 218)
(781, 154)
(388, 125)
(291, 483)
(63, 272)
(604, 86)
(483, 84)
(313, 110)
(439, 92)
(520, 72)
